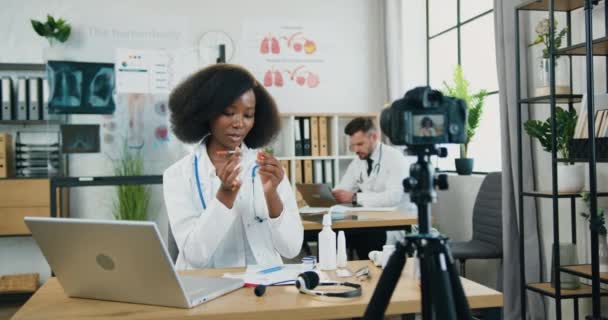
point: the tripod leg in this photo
(443, 299)
(459, 298)
(386, 284)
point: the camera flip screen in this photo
(428, 125)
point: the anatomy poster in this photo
(286, 57)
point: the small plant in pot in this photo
(460, 89)
(53, 29)
(131, 202)
(597, 222)
(570, 177)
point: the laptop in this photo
(122, 261)
(318, 195)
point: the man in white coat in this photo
(373, 180)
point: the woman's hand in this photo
(271, 173)
(229, 175)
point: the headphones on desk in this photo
(306, 283)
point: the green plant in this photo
(596, 221)
(565, 122)
(131, 201)
(543, 36)
(460, 89)
(53, 28)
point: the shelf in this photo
(583, 160)
(25, 178)
(30, 122)
(549, 194)
(600, 48)
(351, 157)
(583, 270)
(543, 5)
(559, 98)
(545, 289)
(312, 158)
(22, 67)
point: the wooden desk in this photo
(388, 220)
(50, 302)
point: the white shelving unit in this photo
(338, 150)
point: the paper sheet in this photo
(251, 276)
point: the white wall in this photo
(355, 66)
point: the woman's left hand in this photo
(270, 171)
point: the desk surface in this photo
(50, 302)
(369, 219)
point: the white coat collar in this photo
(376, 153)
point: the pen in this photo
(269, 270)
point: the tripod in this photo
(441, 291)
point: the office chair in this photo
(487, 225)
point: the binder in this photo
(298, 136)
(308, 176)
(7, 99)
(306, 137)
(318, 171)
(299, 178)
(285, 164)
(45, 99)
(328, 172)
(314, 136)
(323, 144)
(34, 99)
(21, 99)
(6, 155)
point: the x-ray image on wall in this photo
(81, 87)
(80, 138)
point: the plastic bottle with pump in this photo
(327, 245)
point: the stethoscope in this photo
(202, 198)
(375, 168)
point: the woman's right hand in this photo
(229, 175)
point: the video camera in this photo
(424, 117)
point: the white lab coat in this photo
(384, 186)
(220, 237)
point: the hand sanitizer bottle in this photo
(341, 259)
(327, 245)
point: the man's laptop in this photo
(317, 195)
(119, 261)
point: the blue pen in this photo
(270, 270)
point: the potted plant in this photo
(561, 71)
(131, 202)
(55, 31)
(460, 89)
(571, 177)
(597, 222)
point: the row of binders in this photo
(25, 99)
(311, 171)
(581, 130)
(311, 138)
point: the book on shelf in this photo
(323, 137)
(306, 151)
(34, 98)
(298, 138)
(314, 136)
(286, 169)
(308, 172)
(299, 178)
(6, 97)
(328, 172)
(21, 99)
(318, 171)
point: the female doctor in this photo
(228, 204)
